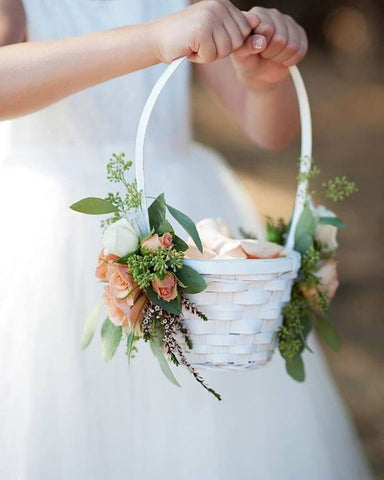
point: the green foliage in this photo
(309, 176)
(110, 339)
(193, 281)
(179, 244)
(188, 226)
(334, 221)
(295, 368)
(156, 212)
(145, 268)
(94, 206)
(130, 344)
(276, 233)
(339, 188)
(305, 231)
(157, 351)
(90, 326)
(328, 333)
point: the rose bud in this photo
(166, 288)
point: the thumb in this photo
(253, 19)
(255, 44)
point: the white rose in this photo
(120, 238)
(325, 234)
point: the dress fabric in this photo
(64, 414)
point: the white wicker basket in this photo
(244, 298)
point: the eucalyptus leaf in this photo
(124, 260)
(165, 227)
(193, 280)
(94, 206)
(295, 368)
(335, 221)
(156, 212)
(328, 333)
(90, 326)
(173, 306)
(130, 342)
(188, 225)
(110, 339)
(179, 244)
(305, 231)
(165, 368)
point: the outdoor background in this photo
(344, 73)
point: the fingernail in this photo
(258, 43)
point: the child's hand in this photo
(276, 43)
(204, 32)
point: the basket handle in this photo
(305, 156)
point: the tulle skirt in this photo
(65, 414)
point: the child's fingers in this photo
(255, 44)
(233, 31)
(301, 50)
(252, 19)
(223, 42)
(292, 43)
(279, 39)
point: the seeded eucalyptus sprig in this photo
(145, 268)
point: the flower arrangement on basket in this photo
(214, 301)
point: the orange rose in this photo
(102, 264)
(166, 288)
(154, 242)
(121, 282)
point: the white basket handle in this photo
(305, 156)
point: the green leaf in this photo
(90, 326)
(124, 260)
(295, 368)
(94, 206)
(194, 280)
(304, 231)
(110, 339)
(335, 221)
(165, 368)
(156, 212)
(187, 224)
(174, 306)
(165, 227)
(179, 244)
(328, 333)
(130, 342)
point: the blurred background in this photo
(344, 73)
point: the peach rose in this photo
(121, 282)
(167, 240)
(102, 264)
(154, 242)
(136, 315)
(124, 312)
(166, 288)
(116, 308)
(327, 273)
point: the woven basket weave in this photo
(244, 298)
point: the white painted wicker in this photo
(244, 298)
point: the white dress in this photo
(64, 414)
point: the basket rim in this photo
(290, 262)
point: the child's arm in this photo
(36, 74)
(255, 86)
